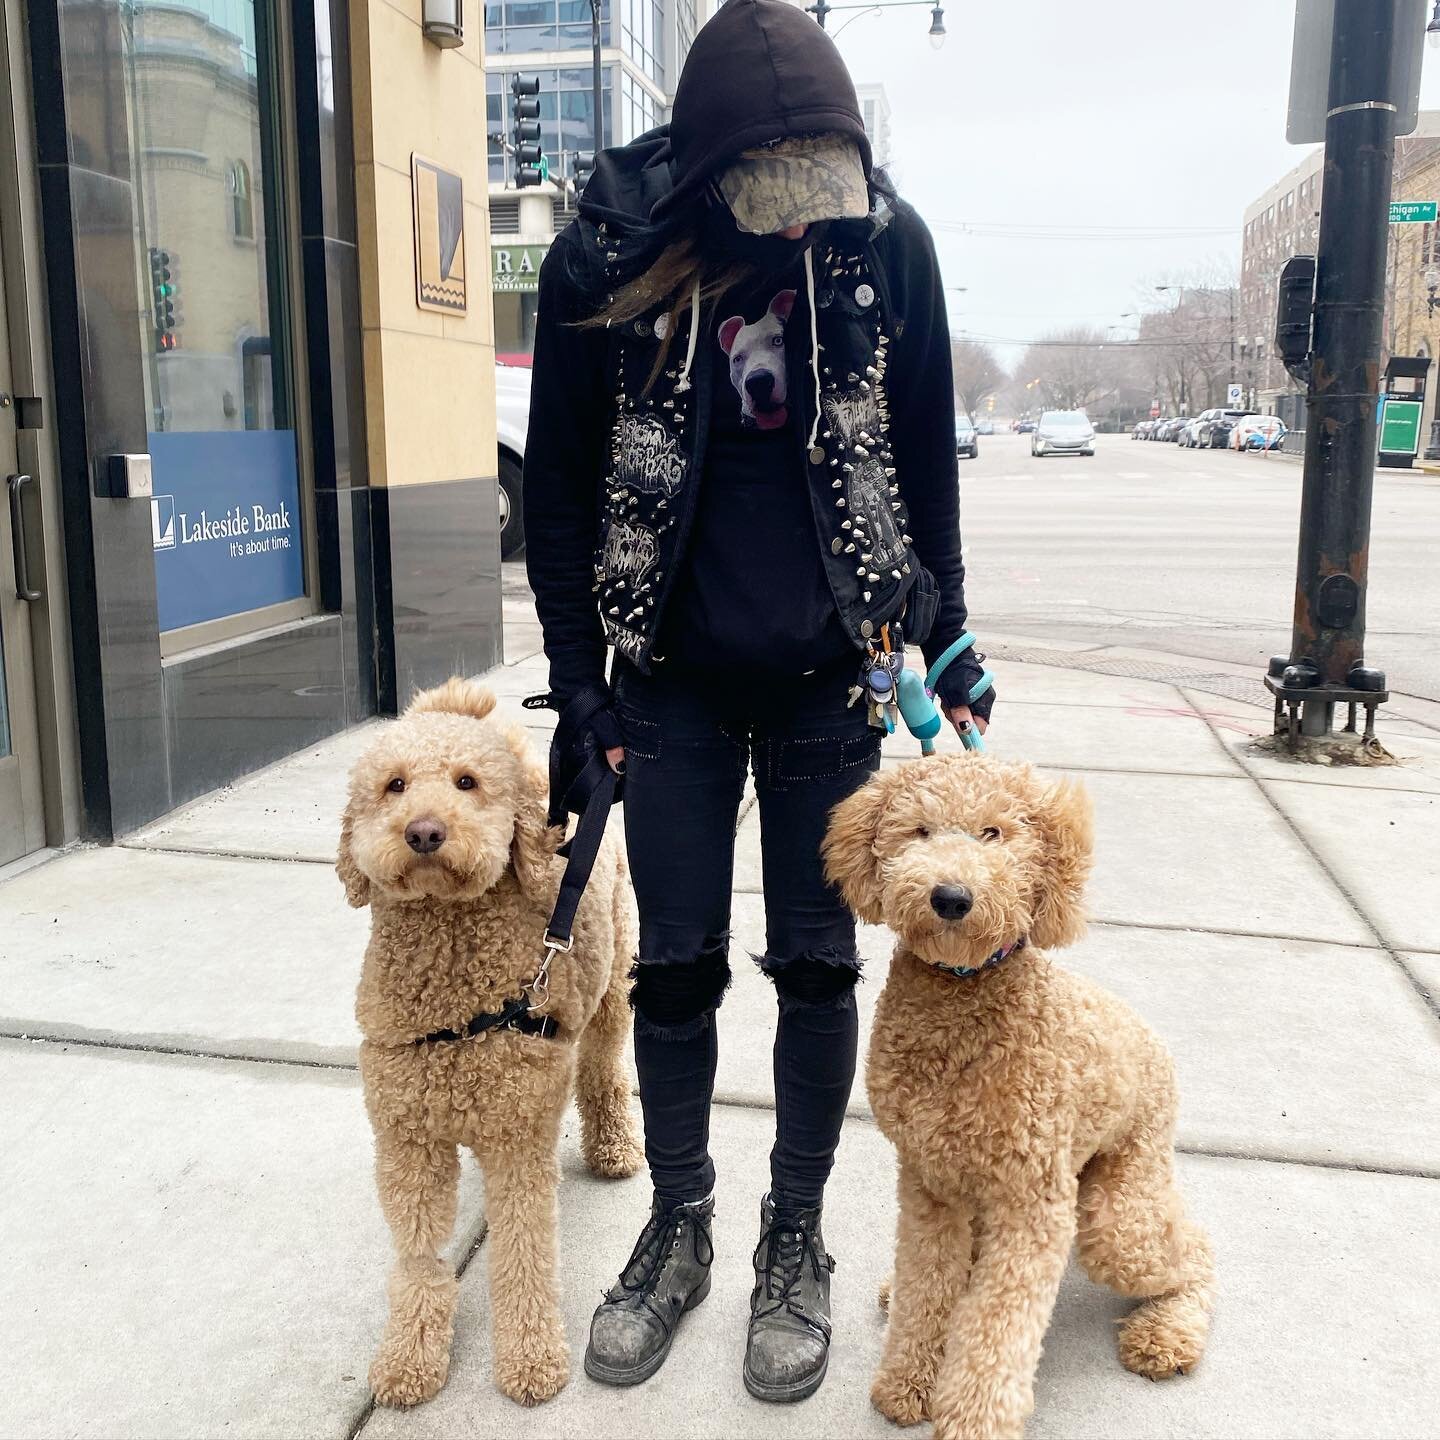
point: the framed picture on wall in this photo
(439, 202)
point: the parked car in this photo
(1024, 427)
(1214, 433)
(512, 419)
(965, 441)
(1063, 432)
(1257, 432)
(1142, 429)
(1190, 435)
(984, 427)
(1171, 428)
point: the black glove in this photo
(587, 728)
(958, 678)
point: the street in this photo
(1191, 552)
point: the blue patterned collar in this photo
(964, 972)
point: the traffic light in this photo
(582, 169)
(525, 130)
(163, 291)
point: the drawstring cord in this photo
(814, 341)
(683, 383)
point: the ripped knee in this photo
(822, 977)
(675, 1000)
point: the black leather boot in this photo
(667, 1274)
(788, 1348)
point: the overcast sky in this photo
(1048, 123)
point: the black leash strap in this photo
(581, 783)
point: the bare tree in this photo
(1073, 369)
(1188, 345)
(978, 374)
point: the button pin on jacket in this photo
(864, 296)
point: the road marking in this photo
(1134, 474)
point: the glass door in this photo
(22, 821)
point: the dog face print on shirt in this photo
(756, 351)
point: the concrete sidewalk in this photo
(188, 1231)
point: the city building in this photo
(246, 392)
(875, 110)
(1285, 221)
(643, 46)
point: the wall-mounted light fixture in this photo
(443, 22)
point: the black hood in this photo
(759, 70)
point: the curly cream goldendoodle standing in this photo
(1030, 1109)
(444, 838)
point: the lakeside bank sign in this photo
(224, 523)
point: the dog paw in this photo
(616, 1157)
(903, 1400)
(1164, 1337)
(404, 1374)
(531, 1375)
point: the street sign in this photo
(1412, 212)
(1400, 427)
(1310, 68)
(1233, 395)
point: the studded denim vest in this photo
(657, 455)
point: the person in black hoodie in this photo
(741, 476)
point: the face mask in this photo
(723, 242)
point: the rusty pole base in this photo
(1305, 717)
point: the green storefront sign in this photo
(515, 267)
(1400, 427)
(1412, 212)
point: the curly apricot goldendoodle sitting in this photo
(444, 837)
(1029, 1107)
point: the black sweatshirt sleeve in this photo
(564, 460)
(921, 388)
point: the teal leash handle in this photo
(971, 739)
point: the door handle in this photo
(23, 588)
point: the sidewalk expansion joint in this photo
(269, 857)
(179, 1052)
(1341, 889)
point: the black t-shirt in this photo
(754, 588)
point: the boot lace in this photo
(661, 1237)
(788, 1249)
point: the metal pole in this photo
(598, 76)
(1328, 641)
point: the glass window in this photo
(226, 515)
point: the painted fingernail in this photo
(964, 726)
(619, 767)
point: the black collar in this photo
(965, 972)
(516, 1015)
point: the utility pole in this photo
(1326, 665)
(597, 80)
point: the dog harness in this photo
(515, 1015)
(964, 972)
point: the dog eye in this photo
(465, 782)
(922, 832)
(989, 833)
(396, 786)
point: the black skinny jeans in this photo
(688, 743)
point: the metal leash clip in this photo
(539, 988)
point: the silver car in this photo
(1063, 432)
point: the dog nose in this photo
(760, 385)
(951, 902)
(424, 837)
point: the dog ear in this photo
(534, 843)
(849, 848)
(356, 883)
(455, 697)
(782, 305)
(1063, 816)
(729, 330)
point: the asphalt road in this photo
(1186, 551)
